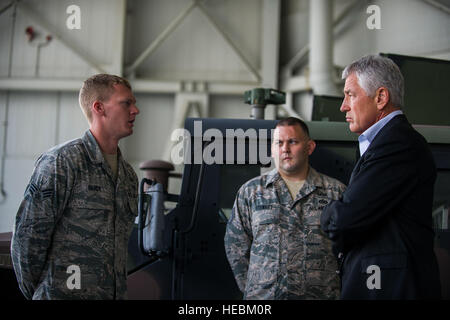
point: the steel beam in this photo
(160, 38)
(138, 85)
(244, 60)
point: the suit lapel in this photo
(357, 167)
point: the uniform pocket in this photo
(312, 210)
(265, 225)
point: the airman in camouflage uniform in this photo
(274, 243)
(77, 212)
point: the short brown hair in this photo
(98, 87)
(292, 121)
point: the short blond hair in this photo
(99, 87)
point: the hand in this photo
(326, 223)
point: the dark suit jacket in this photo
(384, 219)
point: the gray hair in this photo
(373, 72)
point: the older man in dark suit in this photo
(381, 228)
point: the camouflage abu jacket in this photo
(274, 244)
(74, 221)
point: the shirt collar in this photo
(366, 138)
(93, 149)
(272, 176)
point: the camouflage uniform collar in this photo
(312, 180)
(93, 149)
(272, 176)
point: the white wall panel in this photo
(57, 61)
(352, 37)
(97, 40)
(17, 175)
(409, 27)
(31, 124)
(3, 97)
(152, 128)
(24, 54)
(72, 123)
(423, 29)
(5, 34)
(195, 51)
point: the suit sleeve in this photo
(238, 239)
(35, 222)
(385, 178)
